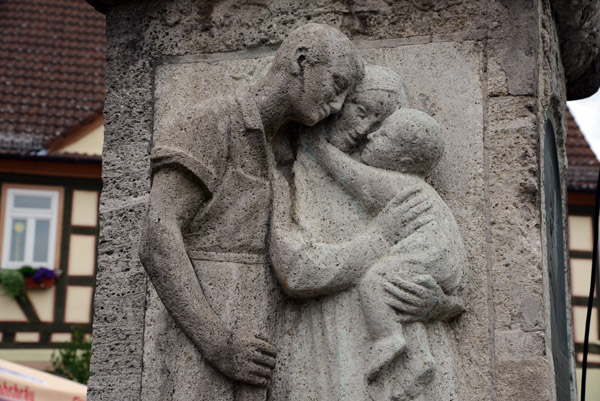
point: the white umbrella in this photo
(20, 383)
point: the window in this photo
(580, 253)
(30, 225)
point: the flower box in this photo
(30, 283)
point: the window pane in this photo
(17, 240)
(32, 202)
(40, 245)
(580, 233)
(579, 317)
(581, 273)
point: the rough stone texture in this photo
(423, 67)
(552, 95)
(204, 245)
(501, 56)
(578, 24)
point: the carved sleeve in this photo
(196, 142)
(307, 269)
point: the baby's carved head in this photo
(409, 141)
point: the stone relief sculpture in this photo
(336, 214)
(374, 278)
(204, 245)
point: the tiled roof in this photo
(52, 61)
(582, 169)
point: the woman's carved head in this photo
(377, 95)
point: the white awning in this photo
(20, 383)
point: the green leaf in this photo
(72, 360)
(13, 283)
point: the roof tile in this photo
(583, 166)
(52, 63)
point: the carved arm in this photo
(306, 268)
(240, 356)
(374, 187)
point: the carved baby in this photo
(398, 156)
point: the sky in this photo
(587, 115)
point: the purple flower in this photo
(42, 273)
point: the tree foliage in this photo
(72, 360)
(13, 283)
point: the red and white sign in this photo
(20, 383)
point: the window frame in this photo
(9, 212)
(577, 301)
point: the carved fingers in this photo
(403, 297)
(265, 348)
(414, 299)
(404, 214)
(246, 358)
(257, 362)
(254, 373)
(264, 359)
(405, 194)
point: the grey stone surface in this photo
(578, 29)
(577, 26)
(336, 243)
(177, 89)
(459, 60)
(461, 116)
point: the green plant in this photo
(27, 270)
(72, 360)
(13, 283)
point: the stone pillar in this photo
(489, 72)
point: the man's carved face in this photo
(319, 64)
(323, 89)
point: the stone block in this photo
(524, 380)
(470, 65)
(111, 387)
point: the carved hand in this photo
(244, 357)
(403, 215)
(419, 299)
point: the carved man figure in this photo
(204, 245)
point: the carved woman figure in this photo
(400, 155)
(403, 265)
